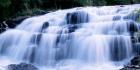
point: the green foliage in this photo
(30, 12)
(99, 2)
(138, 12)
(119, 2)
(84, 2)
(138, 20)
(123, 1)
(5, 8)
(136, 1)
(25, 7)
(5, 3)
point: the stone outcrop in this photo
(133, 65)
(22, 66)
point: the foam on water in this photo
(84, 38)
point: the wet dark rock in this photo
(44, 26)
(61, 38)
(30, 54)
(118, 49)
(13, 22)
(58, 39)
(77, 17)
(121, 5)
(22, 66)
(132, 27)
(115, 18)
(135, 60)
(3, 27)
(136, 48)
(133, 39)
(63, 46)
(132, 16)
(2, 30)
(16, 20)
(36, 38)
(134, 64)
(131, 67)
(72, 28)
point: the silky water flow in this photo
(83, 38)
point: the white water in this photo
(91, 46)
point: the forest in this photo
(10, 8)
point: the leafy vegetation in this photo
(137, 11)
(5, 7)
(25, 7)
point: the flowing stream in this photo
(83, 38)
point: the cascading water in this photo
(90, 38)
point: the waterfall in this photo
(83, 38)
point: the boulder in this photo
(132, 27)
(13, 22)
(135, 60)
(77, 17)
(134, 64)
(3, 27)
(22, 66)
(44, 26)
(131, 67)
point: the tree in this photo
(5, 8)
(99, 2)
